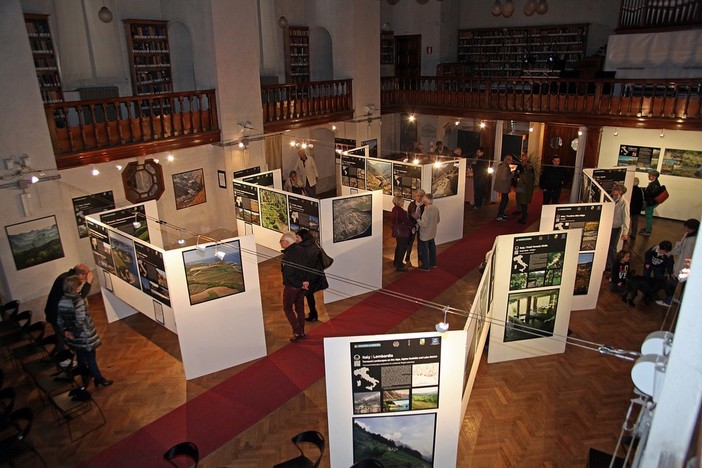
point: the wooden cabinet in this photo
(45, 60)
(149, 56)
(538, 51)
(297, 54)
(387, 48)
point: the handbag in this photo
(401, 231)
(662, 195)
(324, 259)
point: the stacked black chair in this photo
(182, 450)
(303, 461)
(73, 404)
(15, 443)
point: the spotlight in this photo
(310, 145)
(292, 143)
(118, 167)
(457, 123)
(136, 222)
(531, 129)
(181, 241)
(200, 246)
(241, 144)
(95, 171)
(662, 134)
(580, 133)
(412, 118)
(303, 145)
(156, 160)
(437, 164)
(34, 179)
(490, 170)
(616, 132)
(482, 124)
(170, 157)
(415, 161)
(333, 127)
(220, 254)
(442, 327)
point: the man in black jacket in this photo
(552, 180)
(51, 310)
(295, 267)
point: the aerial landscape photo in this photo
(189, 188)
(210, 278)
(274, 210)
(352, 217)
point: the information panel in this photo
(608, 177)
(124, 220)
(100, 244)
(152, 273)
(304, 214)
(587, 218)
(246, 203)
(353, 171)
(407, 178)
(90, 204)
(264, 180)
(395, 375)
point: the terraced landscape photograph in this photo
(399, 441)
(274, 210)
(210, 278)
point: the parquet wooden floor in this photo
(530, 413)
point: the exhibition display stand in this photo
(208, 294)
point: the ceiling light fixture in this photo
(542, 7)
(105, 14)
(170, 157)
(496, 8)
(508, 8)
(95, 171)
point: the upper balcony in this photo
(639, 15)
(288, 106)
(594, 102)
(89, 132)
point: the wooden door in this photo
(408, 55)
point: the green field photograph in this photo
(34, 242)
(209, 277)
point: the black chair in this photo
(72, 405)
(33, 336)
(59, 376)
(368, 463)
(187, 450)
(40, 351)
(16, 444)
(8, 309)
(302, 461)
(7, 404)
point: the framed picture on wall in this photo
(34, 242)
(222, 179)
(189, 188)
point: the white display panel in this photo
(533, 283)
(595, 220)
(433, 429)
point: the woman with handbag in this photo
(319, 280)
(650, 192)
(401, 230)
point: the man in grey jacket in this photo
(427, 223)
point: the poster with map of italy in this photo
(395, 375)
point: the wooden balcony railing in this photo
(638, 14)
(87, 132)
(293, 105)
(626, 103)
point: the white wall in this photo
(683, 202)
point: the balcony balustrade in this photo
(294, 105)
(627, 103)
(88, 132)
(656, 14)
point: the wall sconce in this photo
(386, 26)
(412, 118)
(482, 124)
(283, 22)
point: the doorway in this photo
(408, 55)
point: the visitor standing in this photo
(401, 230)
(503, 185)
(77, 327)
(296, 281)
(552, 180)
(650, 192)
(56, 293)
(414, 210)
(682, 253)
(524, 191)
(480, 177)
(428, 223)
(318, 280)
(620, 223)
(635, 207)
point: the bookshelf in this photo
(297, 54)
(149, 56)
(387, 48)
(537, 51)
(45, 60)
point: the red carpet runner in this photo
(221, 413)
